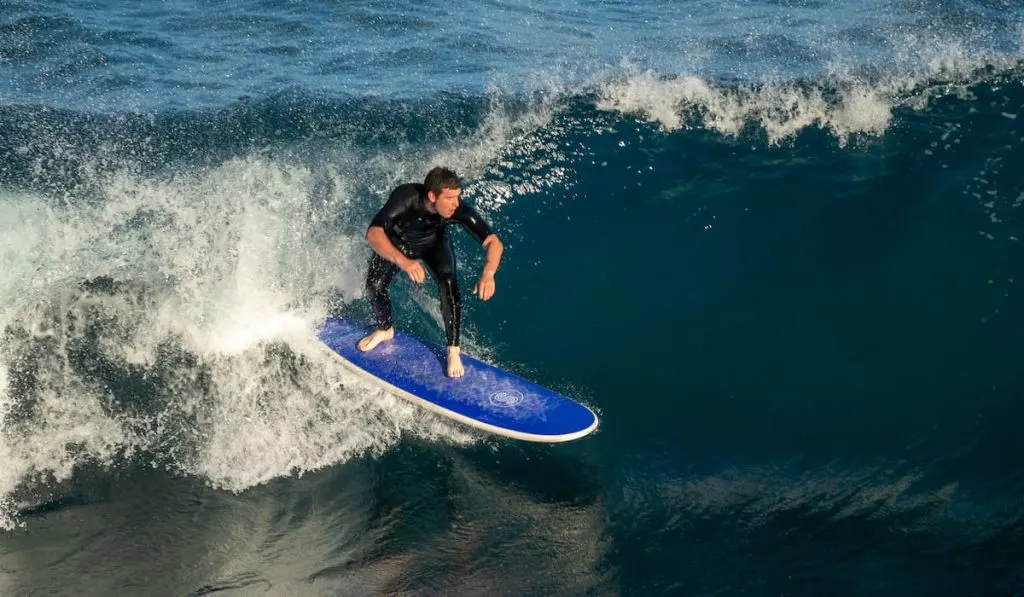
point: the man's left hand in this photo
(485, 286)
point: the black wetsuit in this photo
(420, 234)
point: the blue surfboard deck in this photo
(485, 397)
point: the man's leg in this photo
(378, 278)
(440, 261)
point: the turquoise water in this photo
(776, 246)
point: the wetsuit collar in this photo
(426, 203)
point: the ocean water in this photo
(777, 246)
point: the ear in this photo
(431, 197)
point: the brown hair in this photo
(440, 178)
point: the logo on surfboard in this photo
(506, 398)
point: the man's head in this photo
(443, 189)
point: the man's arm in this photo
(492, 245)
(380, 242)
(485, 286)
(481, 231)
(376, 234)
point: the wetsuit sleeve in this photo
(399, 202)
(472, 221)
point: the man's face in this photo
(445, 202)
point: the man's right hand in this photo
(414, 269)
(378, 239)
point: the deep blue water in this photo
(776, 246)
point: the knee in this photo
(443, 272)
(447, 281)
(446, 274)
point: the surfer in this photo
(414, 225)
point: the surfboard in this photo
(485, 397)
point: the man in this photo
(413, 225)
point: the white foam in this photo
(780, 110)
(844, 102)
(500, 146)
(214, 263)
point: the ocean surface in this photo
(777, 246)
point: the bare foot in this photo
(375, 338)
(454, 362)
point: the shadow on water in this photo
(143, 532)
(481, 518)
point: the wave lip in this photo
(844, 102)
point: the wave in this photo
(161, 274)
(847, 103)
